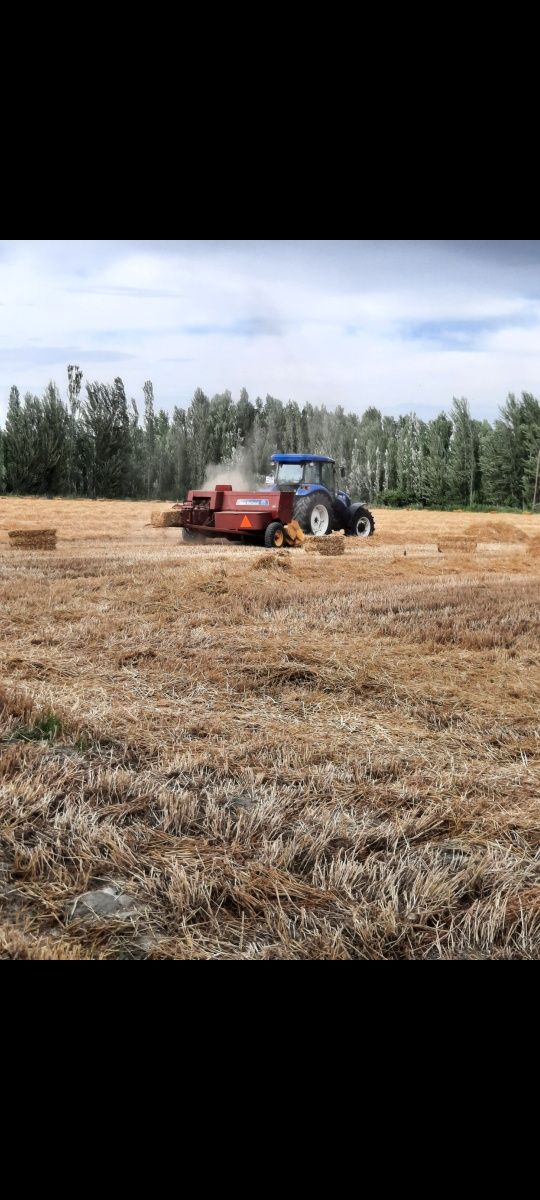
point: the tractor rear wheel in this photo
(362, 523)
(274, 536)
(314, 513)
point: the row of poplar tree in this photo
(96, 443)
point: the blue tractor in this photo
(319, 507)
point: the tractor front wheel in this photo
(274, 536)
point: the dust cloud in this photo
(239, 480)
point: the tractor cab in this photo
(296, 472)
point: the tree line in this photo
(96, 443)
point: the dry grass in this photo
(332, 760)
(280, 560)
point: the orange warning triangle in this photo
(245, 523)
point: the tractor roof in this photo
(301, 458)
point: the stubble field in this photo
(251, 755)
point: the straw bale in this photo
(32, 539)
(332, 544)
(502, 548)
(459, 545)
(163, 520)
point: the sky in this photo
(402, 325)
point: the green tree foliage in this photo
(391, 455)
(245, 415)
(74, 480)
(198, 423)
(224, 427)
(149, 438)
(107, 442)
(503, 456)
(165, 471)
(14, 472)
(410, 457)
(292, 427)
(178, 449)
(36, 442)
(436, 465)
(100, 447)
(137, 456)
(463, 453)
(531, 446)
(53, 438)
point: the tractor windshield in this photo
(291, 474)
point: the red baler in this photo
(257, 516)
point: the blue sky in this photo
(399, 324)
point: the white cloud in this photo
(400, 325)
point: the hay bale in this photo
(163, 520)
(32, 539)
(28, 534)
(332, 545)
(457, 545)
(501, 548)
(420, 550)
(328, 544)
